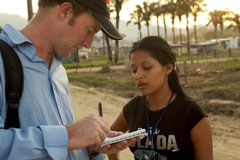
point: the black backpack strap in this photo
(14, 83)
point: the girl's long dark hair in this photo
(161, 51)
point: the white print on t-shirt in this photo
(162, 143)
(157, 131)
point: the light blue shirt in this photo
(44, 108)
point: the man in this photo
(47, 128)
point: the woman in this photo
(177, 127)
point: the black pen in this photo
(100, 109)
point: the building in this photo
(204, 47)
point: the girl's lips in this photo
(141, 85)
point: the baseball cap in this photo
(98, 8)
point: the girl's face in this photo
(148, 74)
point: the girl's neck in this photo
(160, 100)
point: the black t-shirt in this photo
(172, 139)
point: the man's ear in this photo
(65, 9)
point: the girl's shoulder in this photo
(135, 105)
(186, 102)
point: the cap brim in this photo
(106, 26)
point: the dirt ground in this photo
(225, 128)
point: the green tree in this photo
(136, 18)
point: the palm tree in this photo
(196, 8)
(157, 11)
(234, 22)
(180, 13)
(213, 18)
(222, 19)
(117, 7)
(136, 18)
(164, 13)
(30, 9)
(147, 12)
(172, 10)
(187, 10)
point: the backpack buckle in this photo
(13, 100)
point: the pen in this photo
(100, 109)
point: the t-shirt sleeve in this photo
(130, 108)
(127, 110)
(195, 113)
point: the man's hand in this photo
(90, 130)
(114, 148)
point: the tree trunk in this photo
(195, 32)
(173, 30)
(180, 33)
(148, 29)
(238, 34)
(104, 48)
(188, 38)
(158, 27)
(222, 27)
(165, 27)
(180, 30)
(109, 50)
(139, 29)
(215, 27)
(116, 51)
(30, 9)
(116, 42)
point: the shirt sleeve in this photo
(30, 142)
(195, 114)
(34, 142)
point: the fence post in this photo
(230, 52)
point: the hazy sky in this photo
(19, 7)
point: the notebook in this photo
(140, 132)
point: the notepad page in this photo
(140, 132)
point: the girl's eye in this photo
(147, 68)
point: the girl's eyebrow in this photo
(140, 62)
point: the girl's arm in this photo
(201, 136)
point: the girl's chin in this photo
(144, 93)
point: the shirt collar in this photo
(14, 35)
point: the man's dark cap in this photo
(99, 10)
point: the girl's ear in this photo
(169, 68)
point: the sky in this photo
(19, 7)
